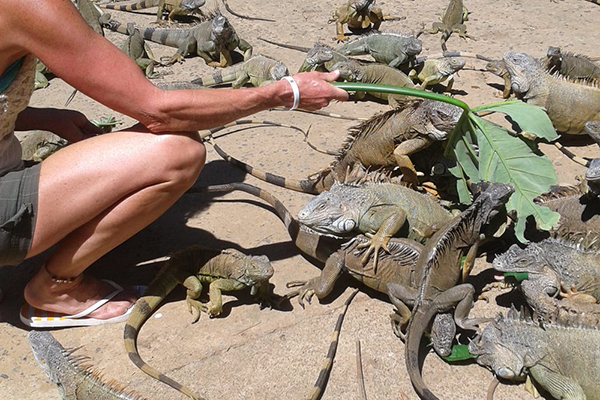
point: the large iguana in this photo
(358, 15)
(224, 270)
(213, 40)
(391, 48)
(452, 20)
(386, 140)
(379, 210)
(562, 358)
(258, 70)
(174, 8)
(439, 271)
(72, 374)
(570, 65)
(569, 105)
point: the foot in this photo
(71, 298)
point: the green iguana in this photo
(379, 210)
(223, 270)
(358, 15)
(434, 71)
(138, 50)
(258, 70)
(562, 358)
(74, 377)
(386, 140)
(452, 20)
(172, 7)
(570, 65)
(213, 40)
(391, 48)
(39, 145)
(439, 271)
(498, 68)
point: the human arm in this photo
(54, 32)
(68, 124)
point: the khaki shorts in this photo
(18, 209)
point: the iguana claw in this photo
(377, 242)
(198, 306)
(305, 292)
(398, 323)
(572, 294)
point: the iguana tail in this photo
(309, 243)
(321, 382)
(571, 155)
(145, 306)
(416, 328)
(128, 6)
(446, 54)
(245, 16)
(218, 77)
(287, 46)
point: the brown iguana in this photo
(439, 272)
(174, 8)
(570, 65)
(224, 270)
(379, 210)
(74, 377)
(213, 40)
(358, 15)
(434, 71)
(561, 358)
(569, 105)
(452, 20)
(258, 70)
(386, 140)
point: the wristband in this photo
(295, 91)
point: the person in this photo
(99, 191)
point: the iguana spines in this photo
(571, 65)
(75, 378)
(173, 7)
(391, 48)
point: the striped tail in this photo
(321, 382)
(127, 6)
(225, 75)
(572, 155)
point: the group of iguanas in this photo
(388, 236)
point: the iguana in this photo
(397, 266)
(498, 68)
(172, 7)
(551, 265)
(138, 50)
(391, 48)
(452, 20)
(570, 65)
(384, 141)
(39, 145)
(568, 104)
(434, 71)
(213, 40)
(258, 70)
(439, 270)
(560, 358)
(74, 377)
(224, 270)
(358, 15)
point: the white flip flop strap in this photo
(99, 303)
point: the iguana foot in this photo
(305, 292)
(572, 294)
(340, 38)
(398, 325)
(198, 306)
(377, 242)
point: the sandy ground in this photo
(249, 353)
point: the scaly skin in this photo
(75, 380)
(136, 48)
(358, 15)
(435, 71)
(258, 70)
(569, 105)
(384, 141)
(380, 210)
(561, 358)
(498, 68)
(224, 270)
(573, 66)
(439, 271)
(393, 49)
(173, 7)
(91, 14)
(453, 19)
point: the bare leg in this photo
(94, 195)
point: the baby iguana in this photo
(74, 377)
(358, 15)
(386, 140)
(569, 105)
(258, 70)
(224, 270)
(213, 40)
(173, 7)
(393, 49)
(439, 271)
(452, 20)
(434, 71)
(573, 66)
(379, 210)
(560, 358)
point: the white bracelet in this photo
(295, 91)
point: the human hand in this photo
(73, 126)
(315, 90)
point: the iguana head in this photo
(333, 212)
(222, 31)
(192, 5)
(451, 65)
(496, 67)
(316, 57)
(523, 70)
(491, 200)
(250, 270)
(48, 353)
(441, 118)
(592, 176)
(278, 71)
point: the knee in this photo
(184, 155)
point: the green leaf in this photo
(460, 352)
(507, 157)
(531, 119)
